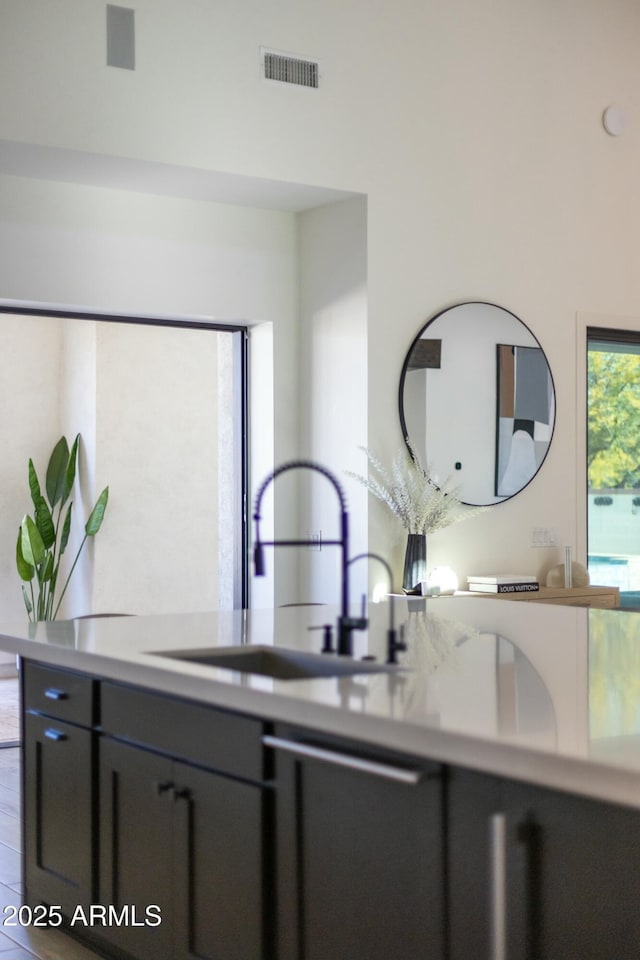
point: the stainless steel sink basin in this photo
(278, 662)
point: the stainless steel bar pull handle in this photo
(498, 886)
(385, 770)
(53, 694)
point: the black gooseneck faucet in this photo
(393, 644)
(345, 623)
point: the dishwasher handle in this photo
(387, 771)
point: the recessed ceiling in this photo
(161, 179)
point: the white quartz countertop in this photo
(541, 693)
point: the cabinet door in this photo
(534, 874)
(58, 808)
(218, 868)
(475, 921)
(359, 859)
(581, 880)
(136, 828)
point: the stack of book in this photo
(504, 583)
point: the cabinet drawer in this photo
(58, 693)
(203, 735)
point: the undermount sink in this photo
(278, 662)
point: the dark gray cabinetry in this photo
(535, 874)
(253, 843)
(58, 793)
(178, 837)
(359, 852)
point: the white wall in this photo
(78, 402)
(157, 450)
(333, 398)
(472, 126)
(29, 419)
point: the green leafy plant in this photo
(43, 538)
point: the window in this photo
(613, 460)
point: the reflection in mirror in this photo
(477, 401)
(157, 409)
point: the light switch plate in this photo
(543, 537)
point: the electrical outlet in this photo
(315, 540)
(543, 537)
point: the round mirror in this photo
(477, 401)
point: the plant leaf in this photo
(66, 529)
(56, 471)
(96, 516)
(26, 570)
(48, 569)
(34, 484)
(27, 601)
(44, 522)
(31, 542)
(70, 473)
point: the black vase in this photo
(415, 561)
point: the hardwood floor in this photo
(9, 711)
(23, 943)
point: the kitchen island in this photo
(484, 800)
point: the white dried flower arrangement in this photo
(412, 495)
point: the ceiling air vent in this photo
(288, 69)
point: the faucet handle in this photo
(395, 646)
(327, 645)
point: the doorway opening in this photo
(613, 460)
(161, 407)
